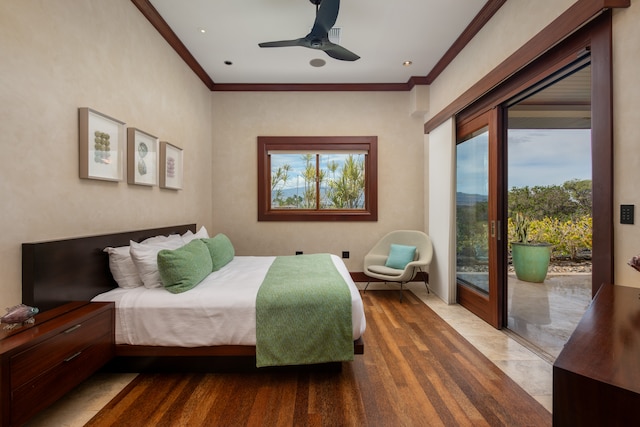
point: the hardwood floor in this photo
(416, 371)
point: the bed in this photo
(61, 271)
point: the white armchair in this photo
(376, 265)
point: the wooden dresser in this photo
(43, 361)
(596, 377)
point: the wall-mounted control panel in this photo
(626, 214)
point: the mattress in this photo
(221, 310)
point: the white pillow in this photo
(160, 239)
(189, 236)
(122, 268)
(145, 257)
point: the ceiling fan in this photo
(318, 38)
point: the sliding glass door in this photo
(481, 278)
(478, 222)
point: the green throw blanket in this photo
(303, 313)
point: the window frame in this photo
(320, 143)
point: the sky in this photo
(536, 157)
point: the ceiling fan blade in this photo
(318, 38)
(339, 52)
(325, 18)
(283, 43)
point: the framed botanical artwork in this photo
(171, 166)
(102, 140)
(142, 157)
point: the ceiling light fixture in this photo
(407, 63)
(202, 30)
(317, 62)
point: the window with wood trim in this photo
(317, 178)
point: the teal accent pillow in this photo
(400, 256)
(183, 268)
(221, 250)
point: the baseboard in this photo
(359, 276)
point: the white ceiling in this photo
(384, 33)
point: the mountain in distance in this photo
(299, 192)
(462, 199)
(289, 192)
(466, 199)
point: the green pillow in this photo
(183, 268)
(221, 250)
(400, 256)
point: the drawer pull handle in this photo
(73, 328)
(73, 356)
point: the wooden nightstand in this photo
(41, 362)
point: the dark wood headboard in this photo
(77, 269)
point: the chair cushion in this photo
(400, 256)
(387, 271)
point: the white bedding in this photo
(219, 311)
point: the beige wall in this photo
(239, 118)
(626, 120)
(513, 25)
(56, 56)
(442, 230)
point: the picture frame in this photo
(171, 166)
(101, 145)
(142, 157)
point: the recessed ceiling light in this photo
(407, 63)
(202, 30)
(228, 63)
(317, 62)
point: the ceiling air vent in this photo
(334, 35)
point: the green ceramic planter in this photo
(531, 260)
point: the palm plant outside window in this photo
(317, 178)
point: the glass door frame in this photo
(489, 307)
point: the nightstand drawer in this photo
(41, 362)
(46, 388)
(58, 349)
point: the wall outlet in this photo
(345, 254)
(298, 252)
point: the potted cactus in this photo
(530, 258)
